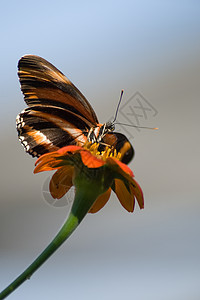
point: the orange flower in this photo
(94, 174)
(89, 162)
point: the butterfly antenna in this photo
(120, 99)
(135, 126)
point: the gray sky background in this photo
(149, 47)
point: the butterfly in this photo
(58, 114)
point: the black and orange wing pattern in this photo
(57, 113)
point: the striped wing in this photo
(120, 142)
(57, 113)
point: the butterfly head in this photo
(109, 127)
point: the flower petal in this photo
(127, 178)
(137, 192)
(120, 167)
(61, 182)
(70, 148)
(55, 159)
(46, 164)
(100, 202)
(90, 160)
(125, 197)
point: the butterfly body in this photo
(58, 114)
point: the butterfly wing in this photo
(120, 142)
(57, 113)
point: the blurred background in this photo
(151, 50)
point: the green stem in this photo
(68, 227)
(82, 203)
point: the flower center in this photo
(108, 151)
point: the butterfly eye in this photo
(110, 126)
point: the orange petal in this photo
(66, 149)
(137, 192)
(135, 189)
(100, 202)
(51, 161)
(61, 182)
(46, 157)
(90, 160)
(121, 167)
(125, 197)
(47, 162)
(46, 165)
